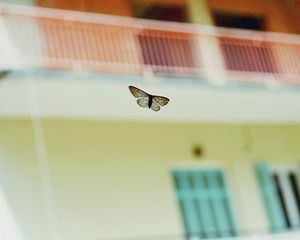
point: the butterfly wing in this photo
(162, 101)
(155, 106)
(143, 101)
(136, 92)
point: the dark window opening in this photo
(164, 13)
(239, 21)
(295, 188)
(281, 199)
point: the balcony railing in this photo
(56, 39)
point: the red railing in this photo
(56, 39)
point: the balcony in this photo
(181, 54)
(68, 40)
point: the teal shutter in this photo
(270, 197)
(187, 198)
(204, 203)
(220, 201)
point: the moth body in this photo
(150, 101)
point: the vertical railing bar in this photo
(181, 55)
(151, 53)
(160, 54)
(103, 60)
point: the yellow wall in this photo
(19, 177)
(199, 12)
(111, 179)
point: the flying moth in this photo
(147, 100)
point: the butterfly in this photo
(147, 100)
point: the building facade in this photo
(80, 160)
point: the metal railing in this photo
(56, 39)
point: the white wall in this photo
(104, 96)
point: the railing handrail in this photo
(193, 28)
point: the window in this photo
(204, 203)
(160, 11)
(230, 20)
(165, 13)
(280, 188)
(244, 54)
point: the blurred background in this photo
(80, 160)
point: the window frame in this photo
(272, 196)
(282, 171)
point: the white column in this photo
(210, 53)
